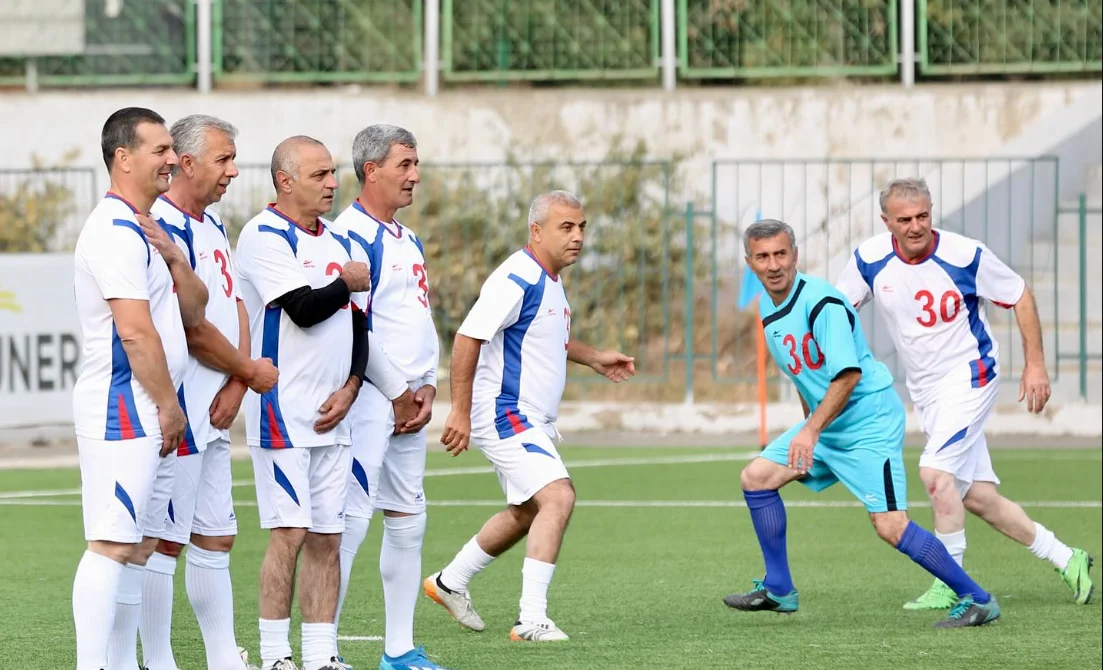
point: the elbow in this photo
(196, 333)
(193, 317)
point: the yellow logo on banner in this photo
(7, 301)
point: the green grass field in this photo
(660, 535)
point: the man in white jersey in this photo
(133, 301)
(304, 295)
(389, 417)
(932, 286)
(195, 504)
(509, 367)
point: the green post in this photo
(689, 304)
(1084, 296)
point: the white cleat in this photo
(537, 631)
(284, 664)
(457, 604)
(245, 659)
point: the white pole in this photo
(203, 52)
(431, 55)
(907, 42)
(668, 52)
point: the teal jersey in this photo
(814, 335)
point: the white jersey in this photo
(934, 308)
(523, 316)
(114, 260)
(274, 256)
(203, 240)
(398, 308)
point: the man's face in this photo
(560, 236)
(396, 177)
(909, 221)
(314, 187)
(150, 164)
(774, 262)
(214, 169)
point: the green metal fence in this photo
(1089, 223)
(317, 40)
(150, 42)
(1009, 36)
(499, 40)
(786, 38)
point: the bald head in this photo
(287, 157)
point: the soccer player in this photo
(853, 430)
(297, 281)
(195, 505)
(126, 413)
(389, 417)
(933, 286)
(509, 367)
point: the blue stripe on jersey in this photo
(284, 483)
(508, 418)
(124, 498)
(956, 437)
(419, 245)
(361, 475)
(344, 242)
(273, 430)
(216, 224)
(184, 234)
(122, 413)
(288, 234)
(984, 367)
(375, 255)
(187, 445)
(133, 226)
(535, 449)
(869, 271)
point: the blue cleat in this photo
(967, 613)
(415, 659)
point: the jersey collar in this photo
(359, 206)
(924, 257)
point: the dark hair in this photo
(121, 130)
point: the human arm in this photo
(308, 307)
(191, 292)
(337, 406)
(851, 283)
(465, 358)
(613, 365)
(224, 408)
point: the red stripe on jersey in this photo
(1002, 304)
(514, 422)
(275, 436)
(126, 429)
(982, 373)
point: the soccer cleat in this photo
(968, 613)
(336, 663)
(938, 597)
(457, 604)
(761, 600)
(283, 664)
(1076, 576)
(415, 659)
(245, 659)
(537, 631)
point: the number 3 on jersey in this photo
(335, 269)
(808, 347)
(949, 306)
(224, 267)
(422, 284)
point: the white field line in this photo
(359, 638)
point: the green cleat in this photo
(938, 597)
(1076, 576)
(968, 613)
(761, 600)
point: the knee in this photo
(523, 515)
(757, 475)
(941, 488)
(890, 526)
(142, 551)
(557, 498)
(169, 548)
(287, 540)
(322, 544)
(221, 544)
(981, 500)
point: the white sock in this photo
(400, 568)
(275, 641)
(356, 529)
(122, 650)
(319, 644)
(469, 562)
(1047, 546)
(207, 580)
(535, 578)
(95, 597)
(156, 618)
(955, 544)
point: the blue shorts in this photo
(863, 448)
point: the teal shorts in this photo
(863, 448)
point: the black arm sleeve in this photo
(309, 307)
(359, 343)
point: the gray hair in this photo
(373, 145)
(286, 157)
(189, 134)
(767, 229)
(538, 210)
(910, 188)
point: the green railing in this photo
(500, 40)
(1009, 36)
(1088, 224)
(317, 40)
(126, 43)
(786, 38)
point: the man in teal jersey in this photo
(853, 430)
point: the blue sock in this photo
(768, 517)
(926, 550)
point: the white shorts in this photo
(525, 463)
(116, 480)
(201, 499)
(388, 471)
(302, 487)
(954, 425)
